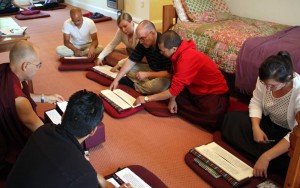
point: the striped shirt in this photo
(156, 61)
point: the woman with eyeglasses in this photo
(125, 34)
(263, 133)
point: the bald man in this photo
(80, 36)
(150, 78)
(18, 118)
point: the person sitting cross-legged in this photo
(263, 132)
(80, 36)
(198, 90)
(10, 6)
(146, 78)
(125, 34)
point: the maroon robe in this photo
(13, 133)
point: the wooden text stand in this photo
(293, 176)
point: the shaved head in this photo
(22, 51)
(76, 16)
(75, 11)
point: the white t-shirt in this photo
(80, 36)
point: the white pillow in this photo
(180, 11)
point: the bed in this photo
(218, 33)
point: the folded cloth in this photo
(96, 15)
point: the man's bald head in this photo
(23, 51)
(146, 25)
(76, 16)
(75, 11)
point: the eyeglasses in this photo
(38, 66)
(144, 38)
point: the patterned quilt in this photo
(222, 40)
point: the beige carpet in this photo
(159, 144)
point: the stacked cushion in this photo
(75, 64)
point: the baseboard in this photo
(92, 8)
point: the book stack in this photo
(222, 164)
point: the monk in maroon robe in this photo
(18, 118)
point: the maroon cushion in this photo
(89, 14)
(158, 108)
(98, 78)
(65, 60)
(235, 105)
(114, 113)
(151, 179)
(221, 182)
(74, 67)
(115, 56)
(33, 16)
(218, 139)
(96, 139)
(30, 12)
(102, 19)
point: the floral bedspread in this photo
(222, 40)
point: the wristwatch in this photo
(42, 98)
(146, 99)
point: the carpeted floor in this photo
(159, 144)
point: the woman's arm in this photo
(261, 165)
(111, 45)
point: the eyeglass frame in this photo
(38, 66)
(144, 37)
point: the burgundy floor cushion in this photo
(158, 108)
(98, 78)
(114, 57)
(102, 19)
(221, 182)
(96, 139)
(96, 20)
(32, 16)
(76, 64)
(114, 113)
(151, 179)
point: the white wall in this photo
(139, 9)
(279, 11)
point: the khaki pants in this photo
(64, 51)
(147, 86)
